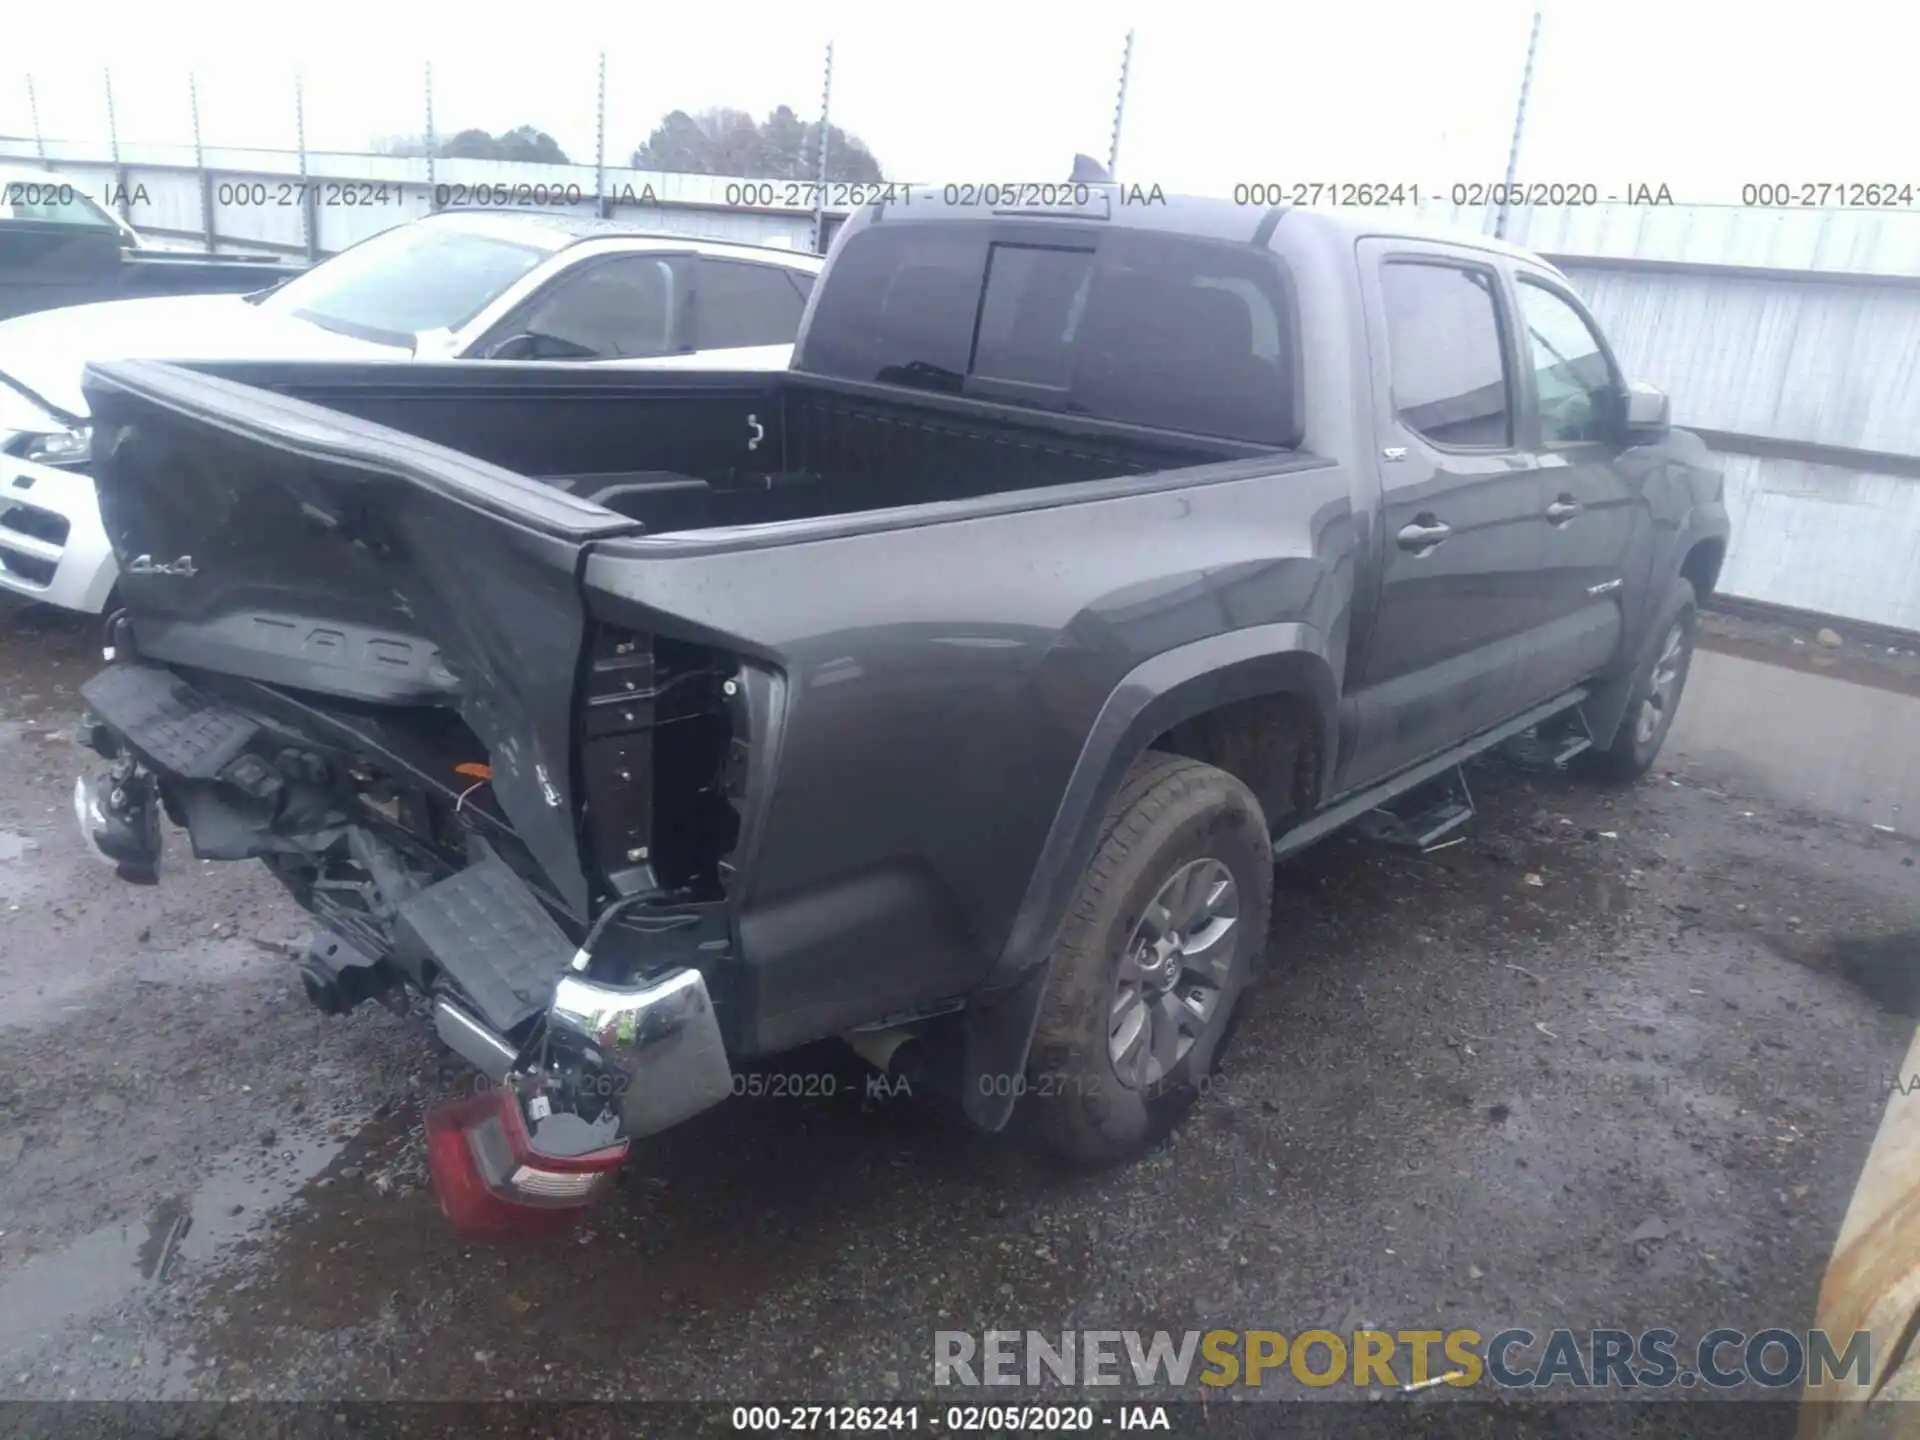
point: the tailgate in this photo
(268, 538)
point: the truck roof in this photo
(1202, 216)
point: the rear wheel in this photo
(1655, 698)
(1157, 949)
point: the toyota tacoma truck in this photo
(952, 692)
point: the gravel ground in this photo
(1613, 1060)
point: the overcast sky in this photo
(1699, 96)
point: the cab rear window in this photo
(1174, 332)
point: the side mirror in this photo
(1648, 414)
(515, 347)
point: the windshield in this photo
(407, 281)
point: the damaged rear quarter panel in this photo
(941, 679)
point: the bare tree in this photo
(724, 141)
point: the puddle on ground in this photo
(1810, 741)
(106, 1269)
(13, 844)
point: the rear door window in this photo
(1446, 354)
(1171, 332)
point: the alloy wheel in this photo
(1663, 690)
(1173, 972)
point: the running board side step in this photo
(1376, 796)
(1423, 817)
(1551, 744)
(1571, 746)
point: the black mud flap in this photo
(979, 1065)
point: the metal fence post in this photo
(820, 189)
(1119, 110)
(602, 203)
(433, 192)
(209, 235)
(113, 138)
(1519, 124)
(33, 107)
(309, 212)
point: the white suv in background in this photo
(461, 285)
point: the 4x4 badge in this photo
(147, 565)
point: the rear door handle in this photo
(1423, 534)
(1562, 510)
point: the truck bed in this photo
(697, 450)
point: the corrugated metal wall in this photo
(1827, 363)
(1843, 242)
(1817, 537)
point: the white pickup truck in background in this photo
(465, 284)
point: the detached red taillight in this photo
(493, 1184)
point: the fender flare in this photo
(1606, 707)
(1154, 696)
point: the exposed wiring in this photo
(599, 927)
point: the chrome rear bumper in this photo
(663, 1037)
(662, 1040)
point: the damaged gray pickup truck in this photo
(953, 692)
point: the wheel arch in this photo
(1701, 565)
(1606, 708)
(1218, 699)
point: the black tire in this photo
(1175, 823)
(1643, 729)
